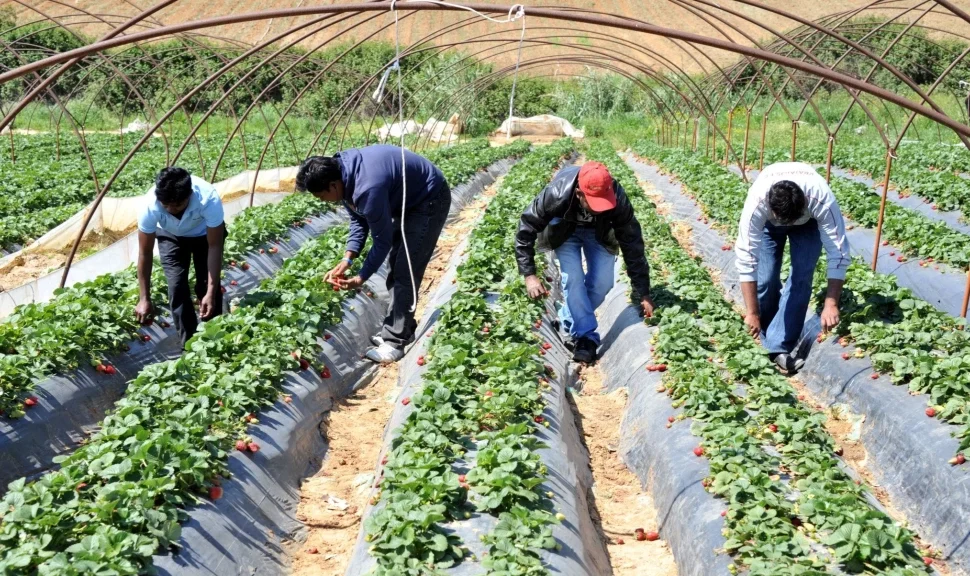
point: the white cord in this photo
(516, 12)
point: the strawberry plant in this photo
(481, 392)
(770, 456)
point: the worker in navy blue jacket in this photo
(368, 182)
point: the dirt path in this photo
(619, 504)
(332, 500)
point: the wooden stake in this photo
(882, 207)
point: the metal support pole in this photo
(882, 207)
(13, 151)
(693, 143)
(57, 139)
(744, 152)
(966, 296)
(764, 129)
(794, 138)
(727, 146)
(828, 160)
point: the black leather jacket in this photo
(616, 229)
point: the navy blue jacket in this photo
(373, 193)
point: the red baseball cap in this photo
(596, 184)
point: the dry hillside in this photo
(91, 15)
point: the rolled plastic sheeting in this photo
(117, 256)
(70, 406)
(907, 452)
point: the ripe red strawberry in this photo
(30, 401)
(253, 447)
(81, 486)
(312, 551)
(406, 400)
(250, 417)
(489, 393)
(874, 376)
(262, 251)
(846, 355)
(145, 338)
(304, 364)
(109, 369)
(933, 206)
(384, 460)
(233, 283)
(215, 492)
(661, 367)
(698, 451)
(232, 263)
(288, 399)
(222, 289)
(619, 541)
(885, 242)
(960, 459)
(546, 346)
(245, 266)
(538, 419)
(892, 253)
(640, 535)
(461, 478)
(773, 427)
(485, 329)
(652, 536)
(927, 559)
(99, 368)
(671, 419)
(241, 445)
(931, 412)
(327, 336)
(420, 360)
(273, 250)
(723, 513)
(325, 373)
(538, 324)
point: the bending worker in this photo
(583, 213)
(789, 201)
(368, 182)
(185, 215)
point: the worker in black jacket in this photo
(583, 212)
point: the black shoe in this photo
(585, 351)
(786, 363)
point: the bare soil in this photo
(333, 499)
(619, 504)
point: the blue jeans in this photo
(584, 292)
(783, 309)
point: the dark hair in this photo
(316, 173)
(173, 185)
(786, 200)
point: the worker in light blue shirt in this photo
(185, 215)
(368, 181)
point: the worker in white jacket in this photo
(789, 201)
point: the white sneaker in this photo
(384, 354)
(376, 340)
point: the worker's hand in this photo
(143, 312)
(534, 287)
(753, 322)
(830, 317)
(207, 306)
(336, 275)
(349, 283)
(647, 305)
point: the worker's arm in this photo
(751, 229)
(146, 247)
(216, 238)
(534, 220)
(629, 236)
(831, 228)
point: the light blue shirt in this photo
(204, 211)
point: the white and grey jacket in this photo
(822, 207)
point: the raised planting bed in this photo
(907, 452)
(483, 468)
(789, 504)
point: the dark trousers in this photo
(175, 253)
(422, 227)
